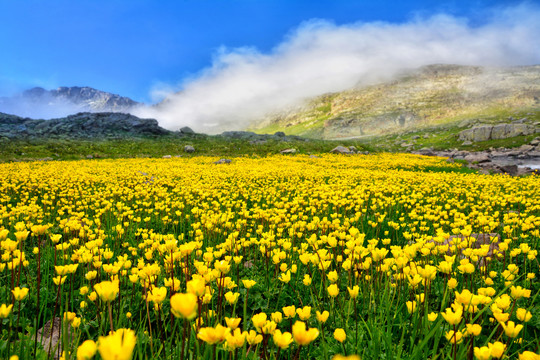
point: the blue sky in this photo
(133, 47)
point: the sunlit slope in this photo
(430, 96)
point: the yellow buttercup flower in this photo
(333, 290)
(107, 290)
(19, 293)
(184, 305)
(232, 323)
(339, 335)
(483, 353)
(304, 313)
(5, 310)
(86, 350)
(282, 340)
(511, 329)
(248, 284)
(289, 311)
(353, 293)
(212, 335)
(231, 297)
(303, 336)
(118, 345)
(322, 317)
(523, 315)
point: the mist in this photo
(244, 84)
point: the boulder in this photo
(340, 150)
(189, 149)
(494, 132)
(186, 130)
(167, 156)
(477, 158)
(222, 161)
(288, 151)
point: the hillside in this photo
(432, 96)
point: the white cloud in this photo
(319, 57)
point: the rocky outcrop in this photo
(80, 126)
(495, 132)
(259, 139)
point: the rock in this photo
(494, 132)
(353, 149)
(535, 141)
(467, 143)
(477, 158)
(288, 151)
(426, 136)
(509, 169)
(340, 150)
(406, 145)
(186, 130)
(525, 171)
(415, 137)
(46, 159)
(50, 334)
(258, 142)
(525, 148)
(167, 156)
(222, 161)
(279, 134)
(189, 149)
(89, 156)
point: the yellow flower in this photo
(453, 318)
(259, 320)
(196, 286)
(343, 357)
(232, 323)
(333, 290)
(511, 329)
(184, 305)
(333, 276)
(307, 280)
(497, 349)
(282, 340)
(248, 284)
(432, 316)
(158, 295)
(83, 290)
(529, 355)
(92, 296)
(302, 336)
(285, 277)
(59, 280)
(304, 313)
(19, 293)
(289, 312)
(5, 310)
(322, 317)
(269, 327)
(452, 283)
(118, 345)
(253, 338)
(339, 335)
(212, 335)
(107, 290)
(353, 293)
(454, 337)
(483, 353)
(235, 339)
(473, 329)
(523, 315)
(231, 297)
(411, 306)
(277, 317)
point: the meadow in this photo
(385, 256)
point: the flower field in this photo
(371, 257)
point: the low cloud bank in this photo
(320, 57)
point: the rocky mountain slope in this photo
(79, 126)
(38, 102)
(433, 95)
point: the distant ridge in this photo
(41, 103)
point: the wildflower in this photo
(184, 305)
(277, 317)
(158, 295)
(455, 337)
(19, 293)
(289, 311)
(339, 335)
(528, 355)
(302, 336)
(411, 306)
(453, 318)
(483, 353)
(497, 349)
(232, 323)
(259, 320)
(231, 297)
(235, 339)
(212, 335)
(253, 338)
(452, 283)
(333, 276)
(511, 329)
(5, 310)
(285, 277)
(523, 315)
(196, 286)
(322, 317)
(432, 316)
(282, 340)
(118, 345)
(269, 327)
(248, 284)
(307, 280)
(333, 290)
(107, 290)
(304, 313)
(353, 293)
(59, 280)
(473, 329)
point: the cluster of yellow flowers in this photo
(182, 249)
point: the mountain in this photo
(431, 96)
(80, 126)
(40, 103)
